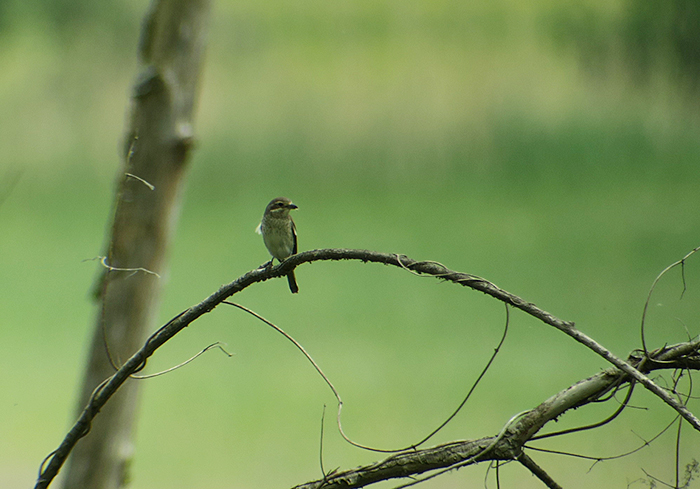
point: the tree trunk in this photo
(157, 145)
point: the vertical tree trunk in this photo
(157, 145)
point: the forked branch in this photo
(510, 443)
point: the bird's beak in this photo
(292, 206)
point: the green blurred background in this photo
(550, 147)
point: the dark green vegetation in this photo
(487, 137)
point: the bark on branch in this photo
(506, 446)
(509, 444)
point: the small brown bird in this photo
(280, 234)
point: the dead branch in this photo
(506, 446)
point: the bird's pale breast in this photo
(278, 237)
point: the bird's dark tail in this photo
(292, 282)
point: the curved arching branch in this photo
(104, 392)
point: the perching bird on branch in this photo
(280, 234)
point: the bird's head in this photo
(280, 207)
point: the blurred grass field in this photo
(448, 131)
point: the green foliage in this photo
(650, 39)
(664, 34)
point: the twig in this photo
(186, 362)
(145, 182)
(537, 471)
(680, 262)
(340, 401)
(103, 261)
